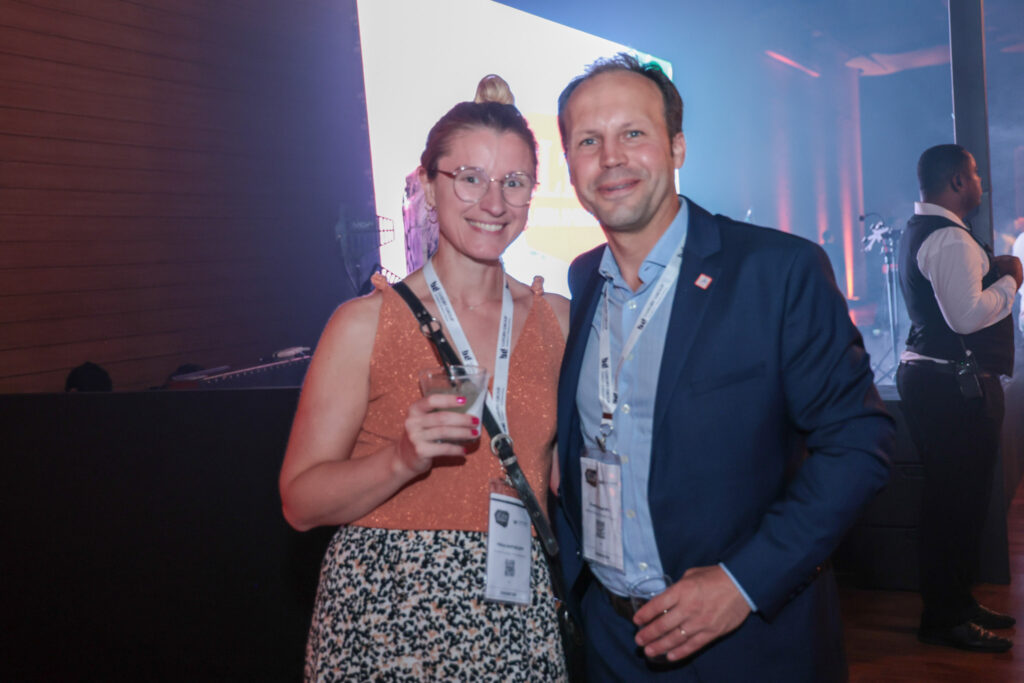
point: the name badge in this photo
(508, 551)
(602, 512)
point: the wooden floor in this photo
(881, 626)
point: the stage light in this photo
(789, 62)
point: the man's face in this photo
(972, 184)
(621, 162)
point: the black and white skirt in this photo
(396, 605)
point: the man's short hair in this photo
(938, 165)
(627, 62)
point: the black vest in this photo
(929, 333)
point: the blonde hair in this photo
(493, 88)
(493, 108)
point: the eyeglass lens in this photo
(471, 185)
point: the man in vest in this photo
(959, 299)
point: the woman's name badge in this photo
(602, 512)
(508, 551)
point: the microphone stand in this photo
(885, 236)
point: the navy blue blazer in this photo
(769, 438)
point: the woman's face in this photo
(481, 229)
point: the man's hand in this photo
(1009, 265)
(702, 606)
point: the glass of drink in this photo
(641, 592)
(469, 381)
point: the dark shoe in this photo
(987, 618)
(966, 636)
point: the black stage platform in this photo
(143, 538)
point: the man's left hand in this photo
(702, 606)
(1009, 265)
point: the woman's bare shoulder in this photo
(353, 323)
(560, 305)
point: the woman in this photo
(401, 592)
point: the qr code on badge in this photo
(510, 567)
(599, 528)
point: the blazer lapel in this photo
(584, 305)
(697, 281)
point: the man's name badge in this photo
(508, 551)
(602, 512)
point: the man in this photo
(1018, 251)
(959, 299)
(718, 422)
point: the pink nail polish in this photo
(476, 432)
(476, 420)
(460, 400)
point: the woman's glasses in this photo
(471, 185)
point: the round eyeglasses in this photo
(471, 185)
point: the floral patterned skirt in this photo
(395, 605)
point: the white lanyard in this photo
(496, 397)
(607, 382)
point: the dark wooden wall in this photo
(171, 173)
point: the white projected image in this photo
(420, 58)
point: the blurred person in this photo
(1018, 251)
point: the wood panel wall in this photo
(171, 173)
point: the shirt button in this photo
(624, 459)
(630, 513)
(631, 305)
(631, 356)
(642, 566)
(625, 409)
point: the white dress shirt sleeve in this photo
(954, 264)
(1018, 251)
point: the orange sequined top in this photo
(454, 494)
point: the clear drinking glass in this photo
(641, 592)
(458, 380)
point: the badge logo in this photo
(703, 281)
(501, 517)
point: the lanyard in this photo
(607, 381)
(495, 397)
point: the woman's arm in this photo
(320, 484)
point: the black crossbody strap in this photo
(501, 444)
(428, 325)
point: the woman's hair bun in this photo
(493, 88)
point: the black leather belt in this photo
(622, 605)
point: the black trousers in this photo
(958, 441)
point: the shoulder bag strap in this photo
(501, 444)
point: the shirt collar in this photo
(659, 256)
(926, 209)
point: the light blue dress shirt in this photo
(629, 443)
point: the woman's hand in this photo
(433, 429)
